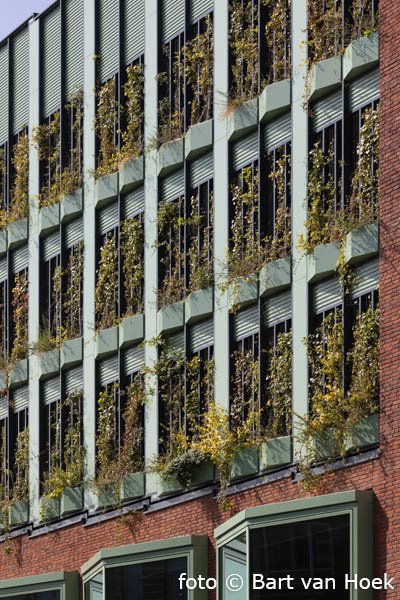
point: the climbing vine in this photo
(19, 198)
(277, 37)
(20, 487)
(278, 245)
(3, 189)
(170, 115)
(105, 128)
(199, 251)
(132, 248)
(132, 136)
(106, 293)
(67, 458)
(19, 303)
(170, 247)
(279, 386)
(72, 305)
(243, 43)
(198, 57)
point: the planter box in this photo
(17, 232)
(325, 76)
(106, 189)
(71, 206)
(49, 218)
(170, 156)
(107, 497)
(131, 174)
(276, 453)
(49, 509)
(131, 330)
(3, 241)
(198, 139)
(168, 487)
(71, 352)
(20, 372)
(243, 119)
(49, 362)
(71, 501)
(133, 486)
(275, 276)
(324, 447)
(322, 261)
(362, 243)
(4, 379)
(365, 433)
(171, 317)
(106, 342)
(242, 291)
(274, 100)
(19, 513)
(202, 474)
(198, 305)
(245, 463)
(361, 55)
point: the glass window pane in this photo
(234, 571)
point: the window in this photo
(312, 538)
(51, 586)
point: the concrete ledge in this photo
(71, 206)
(274, 100)
(133, 486)
(131, 329)
(275, 276)
(170, 157)
(106, 189)
(325, 76)
(19, 513)
(49, 509)
(198, 139)
(49, 218)
(360, 56)
(20, 372)
(362, 243)
(243, 119)
(71, 352)
(17, 232)
(71, 501)
(276, 453)
(322, 261)
(198, 305)
(3, 241)
(242, 291)
(106, 342)
(49, 362)
(131, 174)
(245, 463)
(171, 317)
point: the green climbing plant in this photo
(279, 387)
(198, 57)
(106, 292)
(132, 250)
(19, 303)
(72, 300)
(201, 237)
(19, 197)
(171, 256)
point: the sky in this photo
(15, 12)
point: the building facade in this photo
(198, 298)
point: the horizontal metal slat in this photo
(200, 8)
(202, 335)
(176, 343)
(364, 90)
(3, 408)
(366, 278)
(246, 323)
(20, 259)
(278, 309)
(278, 132)
(74, 232)
(326, 294)
(133, 360)
(74, 46)
(109, 37)
(173, 186)
(108, 218)
(20, 81)
(172, 18)
(4, 93)
(3, 269)
(51, 390)
(51, 245)
(134, 29)
(245, 151)
(20, 398)
(109, 370)
(133, 203)
(202, 169)
(51, 61)
(74, 379)
(327, 111)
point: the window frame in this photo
(67, 583)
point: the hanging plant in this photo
(279, 244)
(279, 387)
(201, 242)
(325, 29)
(19, 198)
(132, 249)
(244, 401)
(72, 306)
(56, 293)
(198, 57)
(19, 303)
(106, 293)
(20, 488)
(105, 128)
(170, 117)
(243, 43)
(132, 137)
(67, 459)
(170, 235)
(3, 189)
(277, 37)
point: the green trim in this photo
(193, 547)
(65, 582)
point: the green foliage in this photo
(198, 57)
(201, 238)
(279, 387)
(132, 250)
(106, 293)
(20, 488)
(67, 456)
(72, 296)
(277, 36)
(132, 137)
(243, 43)
(19, 303)
(170, 234)
(181, 467)
(104, 125)
(19, 199)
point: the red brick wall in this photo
(68, 549)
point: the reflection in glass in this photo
(52, 595)
(317, 548)
(157, 580)
(94, 588)
(234, 563)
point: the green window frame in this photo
(358, 505)
(194, 548)
(67, 583)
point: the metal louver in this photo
(20, 259)
(326, 294)
(20, 398)
(133, 360)
(74, 232)
(3, 408)
(246, 323)
(278, 132)
(200, 8)
(109, 37)
(108, 218)
(51, 390)
(366, 278)
(74, 46)
(51, 245)
(173, 186)
(364, 90)
(202, 335)
(176, 342)
(3, 269)
(277, 308)
(20, 81)
(202, 169)
(51, 48)
(172, 18)
(327, 111)
(74, 380)
(133, 203)
(245, 151)
(4, 89)
(134, 29)
(109, 370)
